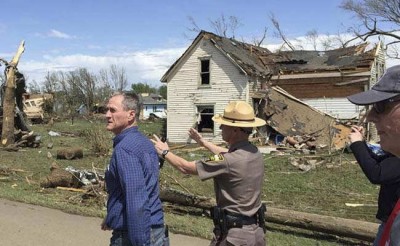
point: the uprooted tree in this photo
(8, 98)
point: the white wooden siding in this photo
(337, 107)
(184, 94)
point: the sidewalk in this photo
(30, 225)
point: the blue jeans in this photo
(157, 238)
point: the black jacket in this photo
(381, 170)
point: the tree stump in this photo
(70, 153)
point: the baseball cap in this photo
(388, 86)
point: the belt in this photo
(237, 221)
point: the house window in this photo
(205, 123)
(205, 72)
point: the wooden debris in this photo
(70, 189)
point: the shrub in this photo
(99, 139)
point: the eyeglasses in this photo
(380, 107)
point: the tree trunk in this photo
(7, 133)
(350, 228)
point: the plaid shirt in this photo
(132, 185)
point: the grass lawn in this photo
(323, 190)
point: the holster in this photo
(218, 216)
(261, 217)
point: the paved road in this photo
(30, 225)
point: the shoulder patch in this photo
(216, 158)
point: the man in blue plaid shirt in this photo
(134, 209)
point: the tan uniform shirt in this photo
(238, 176)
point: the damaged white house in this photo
(215, 70)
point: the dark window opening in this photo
(205, 72)
(205, 124)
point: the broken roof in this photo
(259, 62)
(246, 56)
(303, 61)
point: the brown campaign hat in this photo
(239, 114)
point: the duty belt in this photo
(238, 220)
(225, 220)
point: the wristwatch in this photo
(164, 153)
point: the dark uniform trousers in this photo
(249, 235)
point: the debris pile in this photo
(70, 177)
(294, 124)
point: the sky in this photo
(144, 37)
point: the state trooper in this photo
(238, 174)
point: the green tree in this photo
(162, 90)
(140, 88)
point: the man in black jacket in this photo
(384, 97)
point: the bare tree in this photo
(312, 37)
(51, 81)
(226, 27)
(34, 87)
(194, 27)
(118, 77)
(378, 18)
(87, 86)
(280, 33)
(257, 41)
(222, 26)
(104, 88)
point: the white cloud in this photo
(144, 66)
(57, 34)
(303, 43)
